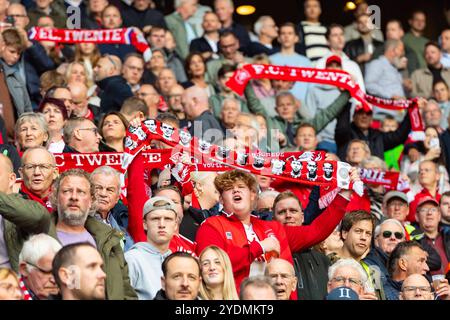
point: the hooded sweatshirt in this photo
(144, 269)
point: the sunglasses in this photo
(388, 234)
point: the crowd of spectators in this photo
(75, 234)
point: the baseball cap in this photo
(333, 58)
(163, 204)
(426, 199)
(342, 293)
(395, 194)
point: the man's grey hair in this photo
(37, 247)
(179, 3)
(70, 127)
(347, 263)
(391, 44)
(230, 2)
(108, 171)
(374, 160)
(394, 221)
(233, 100)
(432, 101)
(260, 23)
(258, 282)
(268, 194)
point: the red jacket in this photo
(182, 244)
(413, 205)
(302, 192)
(359, 203)
(227, 232)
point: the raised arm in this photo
(325, 116)
(29, 216)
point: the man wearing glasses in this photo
(38, 172)
(81, 136)
(35, 266)
(387, 235)
(348, 273)
(416, 287)
(428, 215)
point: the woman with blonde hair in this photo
(9, 285)
(217, 275)
(88, 54)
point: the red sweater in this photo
(227, 232)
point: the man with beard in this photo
(357, 228)
(35, 266)
(78, 271)
(74, 194)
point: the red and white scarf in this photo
(109, 36)
(338, 78)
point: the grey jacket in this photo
(144, 268)
(17, 87)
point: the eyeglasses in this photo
(414, 289)
(430, 210)
(387, 234)
(342, 280)
(283, 276)
(46, 272)
(42, 167)
(18, 15)
(94, 130)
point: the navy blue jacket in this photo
(120, 50)
(114, 91)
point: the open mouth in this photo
(237, 198)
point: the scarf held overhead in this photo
(338, 78)
(107, 36)
(308, 168)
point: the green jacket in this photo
(107, 239)
(22, 218)
(176, 25)
(320, 121)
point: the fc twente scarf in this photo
(308, 168)
(338, 78)
(111, 36)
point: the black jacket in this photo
(255, 48)
(311, 270)
(193, 218)
(135, 18)
(200, 45)
(207, 121)
(240, 32)
(114, 91)
(356, 47)
(378, 141)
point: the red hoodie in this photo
(227, 232)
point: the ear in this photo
(23, 269)
(64, 275)
(163, 283)
(55, 173)
(294, 284)
(77, 134)
(12, 180)
(403, 264)
(297, 39)
(344, 235)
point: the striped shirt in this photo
(313, 37)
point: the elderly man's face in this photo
(416, 287)
(428, 174)
(38, 171)
(230, 113)
(390, 235)
(107, 192)
(39, 278)
(432, 115)
(348, 277)
(397, 209)
(283, 277)
(356, 153)
(103, 69)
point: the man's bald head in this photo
(107, 66)
(195, 102)
(19, 13)
(416, 287)
(7, 175)
(282, 274)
